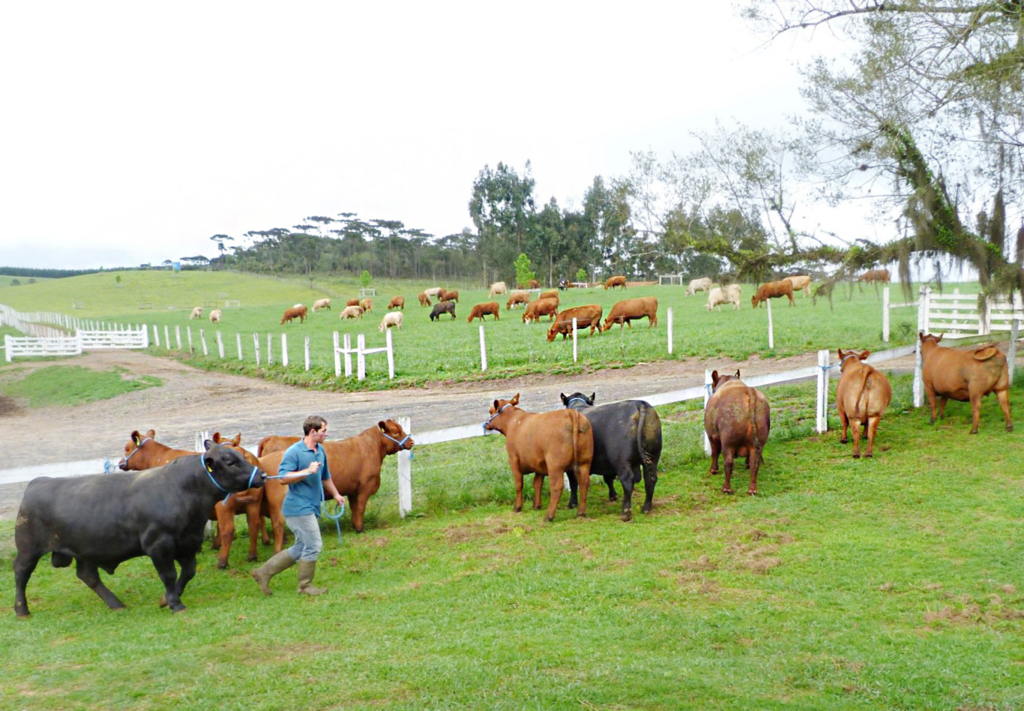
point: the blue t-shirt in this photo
(304, 496)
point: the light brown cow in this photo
(724, 295)
(489, 308)
(397, 302)
(295, 312)
(540, 307)
(215, 316)
(144, 452)
(366, 305)
(862, 396)
(516, 298)
(434, 291)
(545, 444)
(964, 376)
(197, 313)
(614, 282)
(881, 275)
(424, 299)
(586, 317)
(353, 312)
(448, 295)
(352, 302)
(322, 304)
(391, 320)
(354, 464)
(773, 290)
(801, 282)
(737, 420)
(702, 284)
(631, 310)
(497, 287)
(549, 294)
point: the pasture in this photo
(892, 582)
(447, 349)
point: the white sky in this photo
(132, 132)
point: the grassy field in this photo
(69, 385)
(450, 350)
(888, 583)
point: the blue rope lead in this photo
(336, 517)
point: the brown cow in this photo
(862, 396)
(964, 376)
(881, 275)
(549, 294)
(144, 452)
(397, 302)
(545, 444)
(586, 316)
(534, 284)
(516, 298)
(773, 290)
(448, 295)
(631, 310)
(352, 302)
(487, 309)
(540, 307)
(614, 282)
(366, 305)
(295, 312)
(424, 299)
(354, 463)
(225, 511)
(737, 420)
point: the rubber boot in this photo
(263, 574)
(307, 569)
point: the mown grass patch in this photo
(69, 384)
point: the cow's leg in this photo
(627, 475)
(226, 524)
(846, 425)
(573, 486)
(872, 431)
(975, 411)
(24, 565)
(90, 575)
(583, 472)
(215, 543)
(930, 392)
(791, 302)
(610, 481)
(650, 481)
(252, 517)
(161, 552)
(556, 484)
(856, 438)
(942, 406)
(716, 449)
(730, 456)
(756, 464)
(277, 523)
(1004, 402)
(188, 571)
(538, 482)
(358, 503)
(517, 479)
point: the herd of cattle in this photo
(161, 503)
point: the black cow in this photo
(627, 435)
(445, 307)
(102, 520)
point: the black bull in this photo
(102, 520)
(627, 435)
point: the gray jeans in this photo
(308, 542)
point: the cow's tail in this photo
(645, 456)
(575, 418)
(259, 448)
(861, 410)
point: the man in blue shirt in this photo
(304, 470)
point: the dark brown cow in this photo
(397, 302)
(295, 312)
(540, 307)
(881, 275)
(586, 317)
(545, 444)
(487, 309)
(442, 307)
(448, 295)
(773, 290)
(631, 310)
(862, 396)
(424, 299)
(352, 302)
(516, 298)
(737, 421)
(354, 463)
(549, 294)
(614, 282)
(964, 376)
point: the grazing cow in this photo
(724, 295)
(773, 290)
(391, 319)
(881, 275)
(354, 463)
(351, 312)
(632, 310)
(549, 294)
(516, 298)
(586, 317)
(215, 316)
(352, 302)
(964, 376)
(702, 284)
(424, 299)
(497, 287)
(434, 291)
(197, 313)
(540, 307)
(397, 302)
(295, 312)
(533, 284)
(444, 307)
(801, 282)
(614, 282)
(545, 444)
(322, 304)
(102, 520)
(627, 435)
(564, 284)
(366, 305)
(489, 308)
(737, 420)
(225, 511)
(862, 396)
(448, 295)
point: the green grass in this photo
(69, 384)
(449, 350)
(894, 582)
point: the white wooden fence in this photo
(956, 315)
(35, 346)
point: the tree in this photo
(220, 240)
(364, 279)
(503, 211)
(524, 275)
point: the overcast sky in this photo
(133, 132)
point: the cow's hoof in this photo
(163, 600)
(870, 455)
(178, 608)
(613, 497)
(222, 565)
(974, 431)
(537, 508)
(571, 505)
(856, 456)
(23, 615)
(1009, 428)
(843, 441)
(253, 558)
(627, 517)
(752, 493)
(549, 519)
(517, 509)
(728, 491)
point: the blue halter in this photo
(209, 473)
(491, 418)
(577, 397)
(137, 448)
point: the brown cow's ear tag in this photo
(136, 439)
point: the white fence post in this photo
(771, 332)
(1012, 355)
(885, 314)
(670, 330)
(918, 376)
(575, 352)
(167, 338)
(202, 339)
(270, 349)
(284, 349)
(391, 355)
(177, 336)
(256, 346)
(404, 471)
(220, 345)
(188, 332)
(156, 335)
(8, 348)
(483, 349)
(347, 341)
(821, 424)
(707, 396)
(238, 340)
(360, 357)
(307, 353)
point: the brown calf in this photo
(773, 290)
(144, 452)
(352, 302)
(448, 295)
(862, 396)
(545, 444)
(631, 310)
(586, 317)
(615, 281)
(488, 309)
(881, 275)
(549, 294)
(424, 299)
(516, 298)
(540, 307)
(737, 420)
(397, 302)
(964, 376)
(295, 312)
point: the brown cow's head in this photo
(717, 379)
(393, 431)
(928, 338)
(846, 357)
(499, 412)
(135, 442)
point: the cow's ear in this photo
(514, 401)
(216, 437)
(840, 352)
(565, 400)
(591, 400)
(208, 444)
(737, 373)
(940, 337)
(920, 335)
(495, 406)
(151, 434)
(237, 440)
(714, 377)
(136, 438)
(383, 426)
(864, 355)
